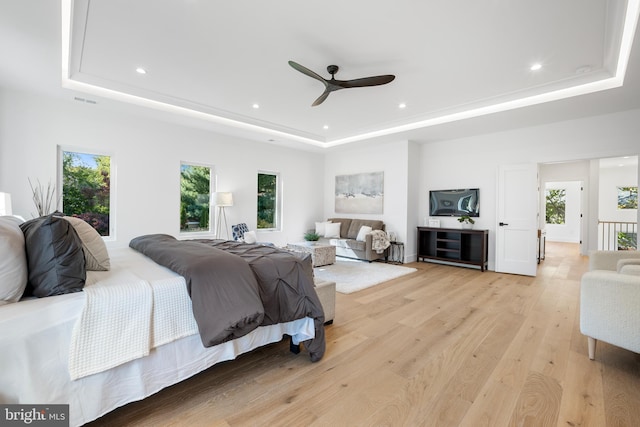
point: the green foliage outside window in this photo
(627, 241)
(267, 200)
(86, 188)
(555, 206)
(195, 185)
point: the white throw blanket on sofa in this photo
(380, 241)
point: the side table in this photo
(395, 254)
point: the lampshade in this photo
(222, 199)
(5, 204)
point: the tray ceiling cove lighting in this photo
(614, 81)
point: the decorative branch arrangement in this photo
(43, 198)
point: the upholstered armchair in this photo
(610, 300)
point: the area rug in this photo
(351, 276)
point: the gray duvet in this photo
(236, 287)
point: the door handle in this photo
(502, 224)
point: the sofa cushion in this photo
(354, 228)
(345, 223)
(626, 261)
(349, 244)
(630, 269)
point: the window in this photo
(555, 206)
(195, 190)
(86, 188)
(268, 201)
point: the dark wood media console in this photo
(460, 246)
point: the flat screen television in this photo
(454, 202)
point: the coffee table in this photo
(321, 254)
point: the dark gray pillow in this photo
(54, 257)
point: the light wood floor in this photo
(445, 346)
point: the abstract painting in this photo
(361, 193)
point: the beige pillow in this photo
(13, 262)
(332, 230)
(362, 234)
(95, 251)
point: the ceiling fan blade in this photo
(321, 98)
(308, 72)
(366, 81)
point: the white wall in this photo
(473, 161)
(146, 156)
(391, 158)
(610, 179)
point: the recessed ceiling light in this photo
(141, 70)
(535, 67)
(402, 105)
(325, 127)
(256, 106)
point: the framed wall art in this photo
(361, 193)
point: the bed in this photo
(140, 337)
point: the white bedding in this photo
(35, 338)
(143, 304)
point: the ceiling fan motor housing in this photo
(332, 69)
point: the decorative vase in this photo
(466, 226)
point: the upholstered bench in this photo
(327, 293)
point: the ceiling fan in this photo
(333, 84)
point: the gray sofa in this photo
(347, 245)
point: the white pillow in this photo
(321, 227)
(332, 230)
(250, 236)
(96, 256)
(13, 262)
(362, 234)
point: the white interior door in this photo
(516, 229)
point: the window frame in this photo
(278, 204)
(212, 187)
(61, 149)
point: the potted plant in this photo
(466, 221)
(311, 236)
